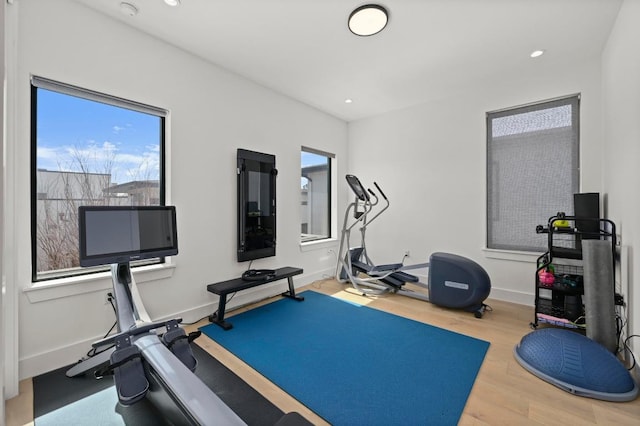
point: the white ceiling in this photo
(430, 48)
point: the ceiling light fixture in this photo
(128, 9)
(348, 101)
(368, 20)
(172, 2)
(536, 53)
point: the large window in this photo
(315, 195)
(86, 149)
(532, 170)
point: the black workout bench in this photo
(224, 288)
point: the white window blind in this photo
(532, 170)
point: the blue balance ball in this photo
(576, 364)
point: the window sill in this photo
(317, 245)
(72, 286)
(517, 256)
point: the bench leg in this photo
(218, 317)
(291, 294)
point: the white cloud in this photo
(47, 158)
(105, 157)
(45, 153)
(130, 158)
(108, 146)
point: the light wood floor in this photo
(503, 393)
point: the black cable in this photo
(619, 329)
(216, 312)
(198, 320)
(92, 352)
(633, 357)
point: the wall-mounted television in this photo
(120, 234)
(256, 205)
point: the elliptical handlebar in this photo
(377, 199)
(374, 196)
(380, 190)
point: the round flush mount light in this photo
(537, 53)
(348, 101)
(172, 2)
(368, 20)
(128, 9)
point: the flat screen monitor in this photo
(119, 234)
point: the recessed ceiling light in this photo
(128, 9)
(172, 2)
(348, 101)
(368, 20)
(536, 53)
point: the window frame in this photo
(574, 100)
(330, 166)
(86, 94)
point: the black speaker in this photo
(587, 205)
(557, 300)
(572, 307)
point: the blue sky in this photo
(309, 159)
(104, 138)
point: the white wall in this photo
(212, 113)
(2, 285)
(621, 142)
(430, 161)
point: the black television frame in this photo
(112, 257)
(264, 164)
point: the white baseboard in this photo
(55, 358)
(635, 372)
(512, 296)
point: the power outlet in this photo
(407, 253)
(108, 298)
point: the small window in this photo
(532, 170)
(315, 195)
(90, 149)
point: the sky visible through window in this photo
(308, 159)
(74, 133)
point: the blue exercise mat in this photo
(354, 365)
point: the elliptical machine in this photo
(453, 281)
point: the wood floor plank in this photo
(19, 410)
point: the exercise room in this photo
(320, 212)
